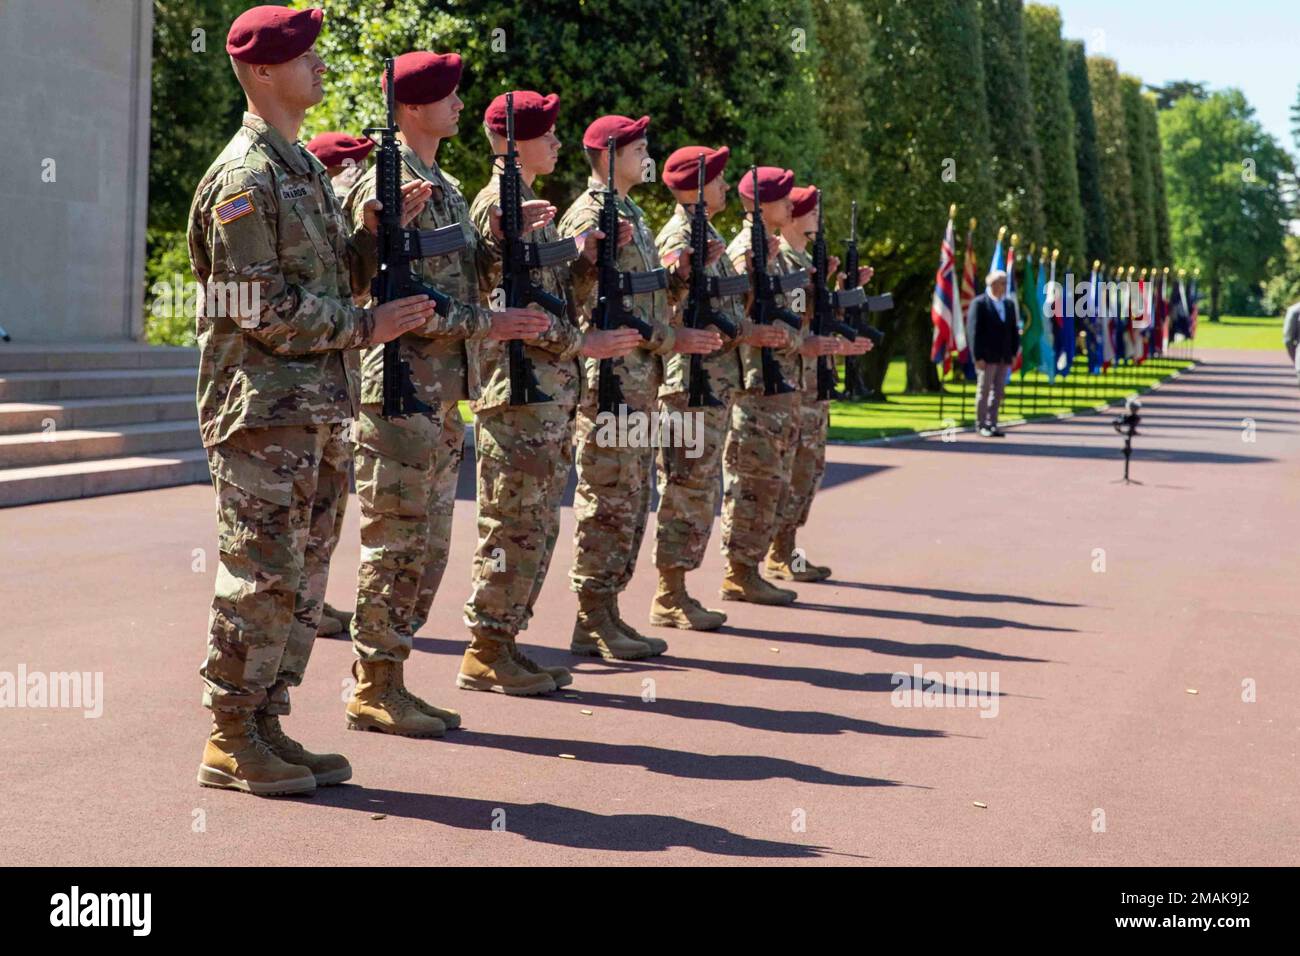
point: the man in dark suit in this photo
(995, 320)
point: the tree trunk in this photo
(1215, 289)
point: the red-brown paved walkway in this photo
(974, 556)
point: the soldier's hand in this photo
(773, 246)
(864, 274)
(815, 346)
(588, 243)
(683, 264)
(624, 232)
(860, 346)
(767, 336)
(536, 214)
(716, 249)
(696, 341)
(399, 316)
(414, 195)
(832, 267)
(609, 343)
(519, 324)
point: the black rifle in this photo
(825, 302)
(399, 249)
(763, 310)
(699, 312)
(611, 286)
(853, 314)
(518, 259)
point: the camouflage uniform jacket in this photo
(788, 358)
(723, 366)
(640, 372)
(790, 260)
(443, 354)
(555, 353)
(265, 220)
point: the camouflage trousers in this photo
(756, 464)
(406, 485)
(451, 452)
(689, 488)
(611, 505)
(523, 459)
(808, 469)
(278, 491)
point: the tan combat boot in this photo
(673, 607)
(744, 583)
(450, 718)
(596, 632)
(333, 622)
(785, 564)
(657, 645)
(492, 665)
(328, 769)
(562, 676)
(237, 758)
(379, 703)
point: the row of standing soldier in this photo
(384, 310)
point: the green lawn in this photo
(1240, 332)
(1031, 397)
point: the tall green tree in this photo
(1096, 232)
(1113, 159)
(1017, 165)
(926, 144)
(1139, 148)
(740, 74)
(1054, 126)
(1169, 94)
(1225, 177)
(1164, 241)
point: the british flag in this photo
(941, 307)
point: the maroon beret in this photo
(335, 149)
(534, 114)
(804, 199)
(272, 34)
(774, 183)
(623, 129)
(681, 169)
(424, 77)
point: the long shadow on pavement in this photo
(1039, 450)
(947, 594)
(564, 826)
(938, 620)
(673, 763)
(880, 683)
(880, 645)
(754, 718)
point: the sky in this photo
(1253, 45)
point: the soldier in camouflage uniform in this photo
(343, 157)
(761, 444)
(524, 452)
(405, 465)
(612, 501)
(785, 561)
(271, 251)
(689, 486)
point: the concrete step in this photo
(16, 417)
(22, 486)
(84, 444)
(45, 386)
(89, 356)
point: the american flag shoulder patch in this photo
(234, 207)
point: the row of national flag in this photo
(1124, 316)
